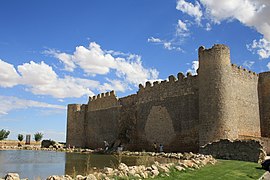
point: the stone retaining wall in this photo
(244, 150)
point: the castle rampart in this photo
(264, 97)
(103, 101)
(224, 101)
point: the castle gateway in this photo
(222, 102)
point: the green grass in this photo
(224, 169)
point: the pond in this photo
(41, 164)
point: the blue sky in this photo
(53, 53)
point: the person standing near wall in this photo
(155, 146)
(106, 144)
(160, 148)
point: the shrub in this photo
(20, 137)
(38, 136)
(4, 134)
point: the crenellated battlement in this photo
(103, 101)
(171, 87)
(243, 73)
(170, 80)
(102, 95)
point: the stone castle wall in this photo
(76, 125)
(167, 113)
(222, 102)
(264, 96)
(244, 93)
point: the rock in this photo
(179, 168)
(91, 177)
(137, 176)
(154, 167)
(66, 177)
(155, 172)
(12, 176)
(123, 167)
(108, 171)
(163, 168)
(80, 177)
(131, 172)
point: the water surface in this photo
(41, 164)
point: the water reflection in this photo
(41, 164)
(32, 164)
(84, 163)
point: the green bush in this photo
(38, 136)
(4, 134)
(20, 137)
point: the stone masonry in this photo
(223, 101)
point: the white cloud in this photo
(248, 64)
(261, 47)
(113, 84)
(194, 67)
(154, 40)
(190, 9)
(166, 44)
(8, 75)
(128, 67)
(37, 74)
(182, 26)
(9, 103)
(252, 13)
(181, 29)
(66, 59)
(268, 65)
(208, 27)
(42, 80)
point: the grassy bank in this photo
(224, 169)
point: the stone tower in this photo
(215, 104)
(76, 125)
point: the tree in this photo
(38, 136)
(20, 137)
(4, 134)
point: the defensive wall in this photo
(223, 101)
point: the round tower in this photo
(216, 106)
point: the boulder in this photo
(179, 168)
(91, 177)
(12, 176)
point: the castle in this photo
(223, 101)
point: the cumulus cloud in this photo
(252, 13)
(194, 67)
(261, 47)
(190, 9)
(40, 79)
(94, 60)
(9, 103)
(8, 75)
